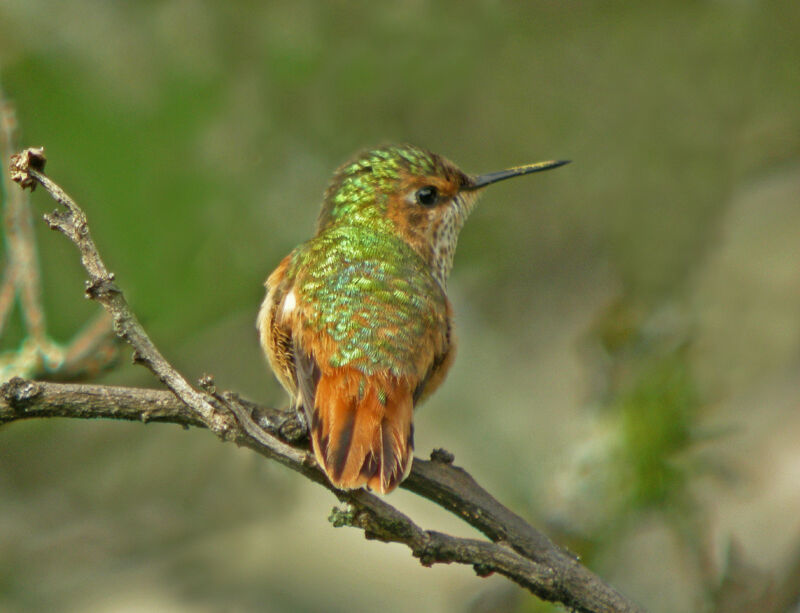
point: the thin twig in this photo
(8, 291)
(515, 549)
(90, 351)
(22, 255)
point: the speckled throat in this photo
(445, 234)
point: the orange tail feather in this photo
(361, 429)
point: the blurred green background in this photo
(629, 325)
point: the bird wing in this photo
(275, 332)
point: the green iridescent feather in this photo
(358, 192)
(372, 293)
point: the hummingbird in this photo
(356, 323)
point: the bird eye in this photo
(427, 196)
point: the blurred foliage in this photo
(600, 308)
(652, 395)
(657, 415)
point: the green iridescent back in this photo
(372, 294)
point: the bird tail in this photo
(361, 429)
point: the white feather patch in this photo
(289, 303)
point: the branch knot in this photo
(442, 456)
(101, 287)
(22, 163)
(19, 392)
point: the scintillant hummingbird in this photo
(356, 323)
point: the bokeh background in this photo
(628, 376)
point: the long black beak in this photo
(500, 175)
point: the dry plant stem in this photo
(88, 338)
(515, 549)
(7, 293)
(19, 236)
(92, 349)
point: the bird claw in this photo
(287, 424)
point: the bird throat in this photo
(445, 235)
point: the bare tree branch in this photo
(515, 548)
